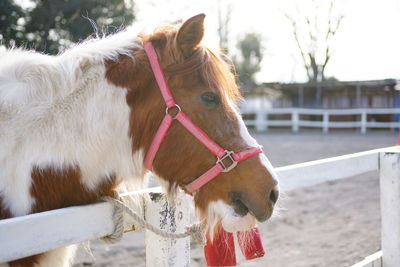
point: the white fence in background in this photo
(363, 121)
(36, 233)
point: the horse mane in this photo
(103, 48)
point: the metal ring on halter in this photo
(176, 106)
(228, 154)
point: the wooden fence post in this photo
(325, 122)
(363, 122)
(295, 121)
(260, 121)
(167, 252)
(390, 207)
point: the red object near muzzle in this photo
(250, 244)
(221, 252)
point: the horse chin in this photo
(237, 223)
(219, 211)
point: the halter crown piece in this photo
(180, 116)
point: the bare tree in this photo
(313, 34)
(224, 17)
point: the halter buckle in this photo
(176, 106)
(220, 161)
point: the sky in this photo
(366, 47)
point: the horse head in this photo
(204, 88)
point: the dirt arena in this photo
(331, 224)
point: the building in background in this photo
(329, 104)
(337, 95)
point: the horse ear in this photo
(190, 34)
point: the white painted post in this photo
(295, 121)
(325, 122)
(167, 252)
(260, 121)
(390, 207)
(363, 121)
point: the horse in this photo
(78, 126)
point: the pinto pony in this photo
(77, 126)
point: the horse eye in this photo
(210, 99)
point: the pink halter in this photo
(218, 151)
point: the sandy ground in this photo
(331, 224)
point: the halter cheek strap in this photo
(226, 160)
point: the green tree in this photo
(247, 63)
(10, 31)
(52, 25)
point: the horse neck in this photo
(101, 107)
(143, 96)
(90, 117)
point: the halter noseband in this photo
(180, 116)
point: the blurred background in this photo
(320, 79)
(288, 54)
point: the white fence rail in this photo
(374, 260)
(36, 233)
(262, 121)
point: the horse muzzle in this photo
(260, 208)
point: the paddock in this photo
(133, 253)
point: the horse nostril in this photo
(273, 195)
(238, 205)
